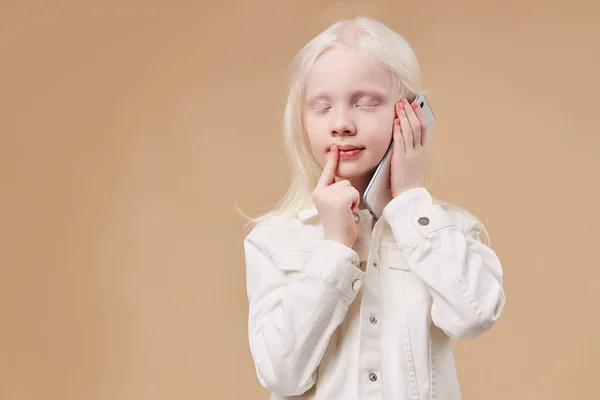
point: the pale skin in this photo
(343, 117)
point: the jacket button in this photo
(424, 221)
(356, 285)
(373, 377)
(375, 264)
(373, 320)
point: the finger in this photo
(342, 183)
(356, 200)
(399, 145)
(415, 125)
(351, 195)
(421, 116)
(407, 133)
(328, 174)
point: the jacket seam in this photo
(432, 392)
(427, 235)
(408, 349)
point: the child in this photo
(341, 305)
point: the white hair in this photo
(373, 40)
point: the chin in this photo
(352, 172)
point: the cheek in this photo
(380, 130)
(317, 141)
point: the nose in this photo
(342, 124)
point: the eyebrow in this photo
(356, 93)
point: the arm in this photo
(294, 309)
(463, 275)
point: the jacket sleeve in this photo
(294, 308)
(443, 249)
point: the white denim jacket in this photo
(374, 321)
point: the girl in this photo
(343, 306)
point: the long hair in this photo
(373, 40)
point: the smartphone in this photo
(378, 192)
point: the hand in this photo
(335, 202)
(408, 152)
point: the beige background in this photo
(130, 129)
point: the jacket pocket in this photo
(393, 258)
(292, 260)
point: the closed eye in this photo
(367, 106)
(322, 108)
(367, 102)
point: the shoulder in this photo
(283, 233)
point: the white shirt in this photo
(374, 321)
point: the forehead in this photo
(344, 70)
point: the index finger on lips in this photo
(328, 174)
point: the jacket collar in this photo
(310, 212)
(307, 213)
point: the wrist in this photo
(396, 193)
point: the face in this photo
(349, 102)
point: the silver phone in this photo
(378, 193)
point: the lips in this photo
(349, 151)
(347, 147)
